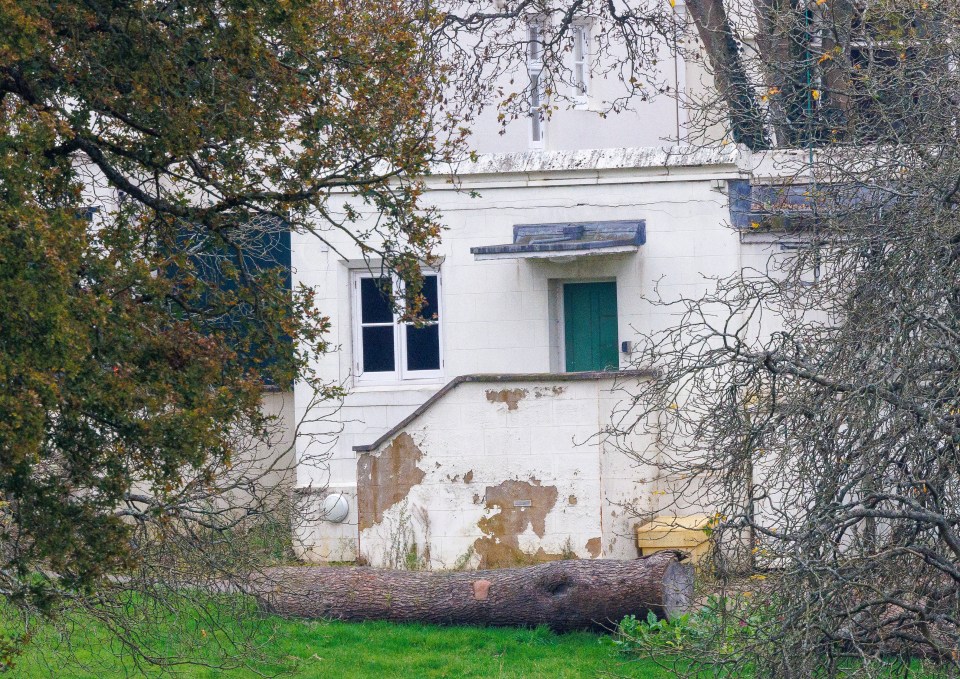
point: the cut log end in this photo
(677, 589)
(565, 595)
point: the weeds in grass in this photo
(717, 639)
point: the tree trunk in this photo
(784, 44)
(565, 595)
(726, 66)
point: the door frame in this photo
(558, 330)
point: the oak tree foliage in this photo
(152, 156)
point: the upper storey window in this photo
(886, 74)
(581, 64)
(856, 73)
(537, 92)
(535, 42)
(388, 348)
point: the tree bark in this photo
(723, 53)
(784, 53)
(564, 595)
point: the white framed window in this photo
(537, 120)
(386, 348)
(580, 67)
(537, 96)
(535, 42)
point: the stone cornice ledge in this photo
(497, 378)
(526, 162)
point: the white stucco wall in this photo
(497, 472)
(497, 314)
(653, 117)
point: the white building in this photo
(473, 441)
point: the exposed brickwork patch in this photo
(500, 545)
(384, 480)
(511, 397)
(593, 547)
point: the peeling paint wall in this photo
(384, 480)
(511, 397)
(498, 319)
(513, 509)
(491, 477)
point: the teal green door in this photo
(590, 326)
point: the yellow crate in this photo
(683, 533)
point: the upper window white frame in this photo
(536, 28)
(398, 332)
(580, 66)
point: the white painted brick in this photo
(556, 439)
(507, 441)
(484, 415)
(576, 413)
(496, 321)
(530, 413)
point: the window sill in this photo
(430, 384)
(590, 106)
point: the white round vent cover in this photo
(335, 508)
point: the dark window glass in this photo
(431, 305)
(423, 348)
(378, 349)
(430, 311)
(375, 300)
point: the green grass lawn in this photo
(274, 646)
(334, 649)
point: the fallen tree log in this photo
(565, 595)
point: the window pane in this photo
(885, 96)
(378, 349)
(533, 43)
(536, 129)
(431, 306)
(579, 46)
(375, 301)
(423, 348)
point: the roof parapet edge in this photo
(490, 378)
(525, 162)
